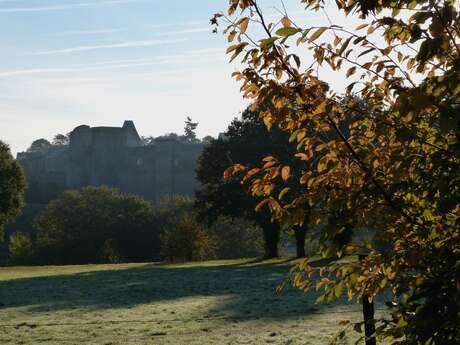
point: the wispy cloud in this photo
(128, 44)
(185, 31)
(149, 76)
(88, 32)
(66, 6)
(190, 56)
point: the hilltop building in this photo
(115, 157)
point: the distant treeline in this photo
(103, 225)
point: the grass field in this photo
(217, 302)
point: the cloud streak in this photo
(66, 6)
(88, 32)
(128, 44)
(195, 56)
(185, 31)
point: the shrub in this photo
(236, 238)
(184, 239)
(21, 249)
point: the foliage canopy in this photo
(39, 145)
(396, 168)
(96, 224)
(12, 187)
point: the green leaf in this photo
(320, 299)
(317, 34)
(268, 42)
(286, 32)
(338, 290)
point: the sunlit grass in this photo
(214, 302)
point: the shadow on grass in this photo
(248, 289)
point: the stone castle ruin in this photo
(115, 157)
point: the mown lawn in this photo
(216, 302)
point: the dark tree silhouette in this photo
(60, 139)
(12, 186)
(246, 141)
(189, 130)
(39, 145)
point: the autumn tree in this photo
(393, 172)
(12, 187)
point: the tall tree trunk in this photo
(271, 238)
(368, 314)
(300, 232)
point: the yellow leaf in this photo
(268, 122)
(285, 173)
(302, 156)
(375, 164)
(269, 164)
(301, 135)
(322, 164)
(305, 178)
(283, 192)
(233, 170)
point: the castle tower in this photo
(132, 137)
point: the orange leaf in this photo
(233, 170)
(244, 23)
(286, 22)
(285, 173)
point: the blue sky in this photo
(99, 62)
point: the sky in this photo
(99, 62)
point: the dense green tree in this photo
(39, 145)
(96, 224)
(60, 139)
(167, 208)
(236, 238)
(207, 139)
(12, 186)
(167, 136)
(246, 141)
